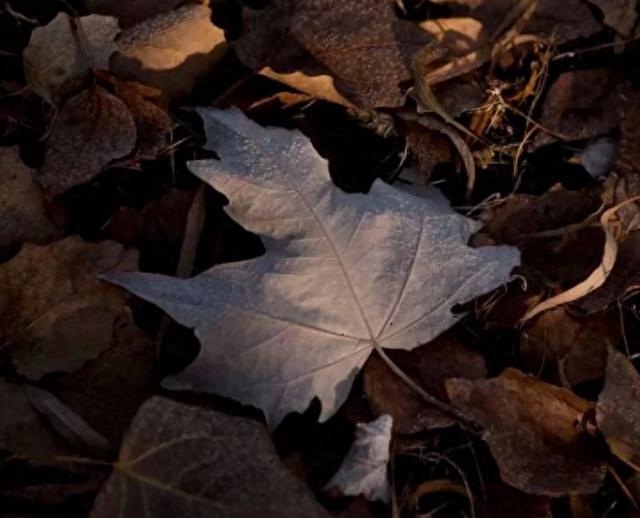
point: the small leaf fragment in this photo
(364, 469)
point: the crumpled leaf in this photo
(180, 460)
(620, 15)
(430, 366)
(344, 273)
(54, 312)
(92, 129)
(62, 54)
(170, 51)
(364, 470)
(22, 214)
(363, 45)
(583, 104)
(130, 12)
(530, 427)
(618, 409)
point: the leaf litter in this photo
(440, 141)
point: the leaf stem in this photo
(444, 407)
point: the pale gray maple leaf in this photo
(343, 274)
(364, 470)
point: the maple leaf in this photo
(343, 274)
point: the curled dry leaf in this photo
(23, 218)
(363, 45)
(620, 15)
(130, 12)
(179, 460)
(170, 51)
(54, 312)
(618, 409)
(344, 274)
(583, 104)
(574, 349)
(430, 366)
(530, 427)
(92, 129)
(364, 469)
(61, 55)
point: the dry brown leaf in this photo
(179, 460)
(583, 104)
(530, 427)
(22, 431)
(54, 312)
(618, 409)
(61, 55)
(363, 45)
(92, 129)
(574, 349)
(429, 147)
(153, 123)
(130, 12)
(501, 500)
(320, 86)
(170, 51)
(23, 218)
(620, 15)
(430, 366)
(107, 391)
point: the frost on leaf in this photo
(179, 460)
(364, 469)
(343, 273)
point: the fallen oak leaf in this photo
(530, 427)
(344, 274)
(364, 470)
(130, 12)
(61, 55)
(180, 460)
(92, 129)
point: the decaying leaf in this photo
(364, 469)
(574, 349)
(618, 409)
(430, 365)
(62, 54)
(92, 129)
(179, 460)
(620, 15)
(23, 218)
(344, 274)
(130, 12)
(363, 45)
(170, 51)
(583, 104)
(54, 312)
(530, 427)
